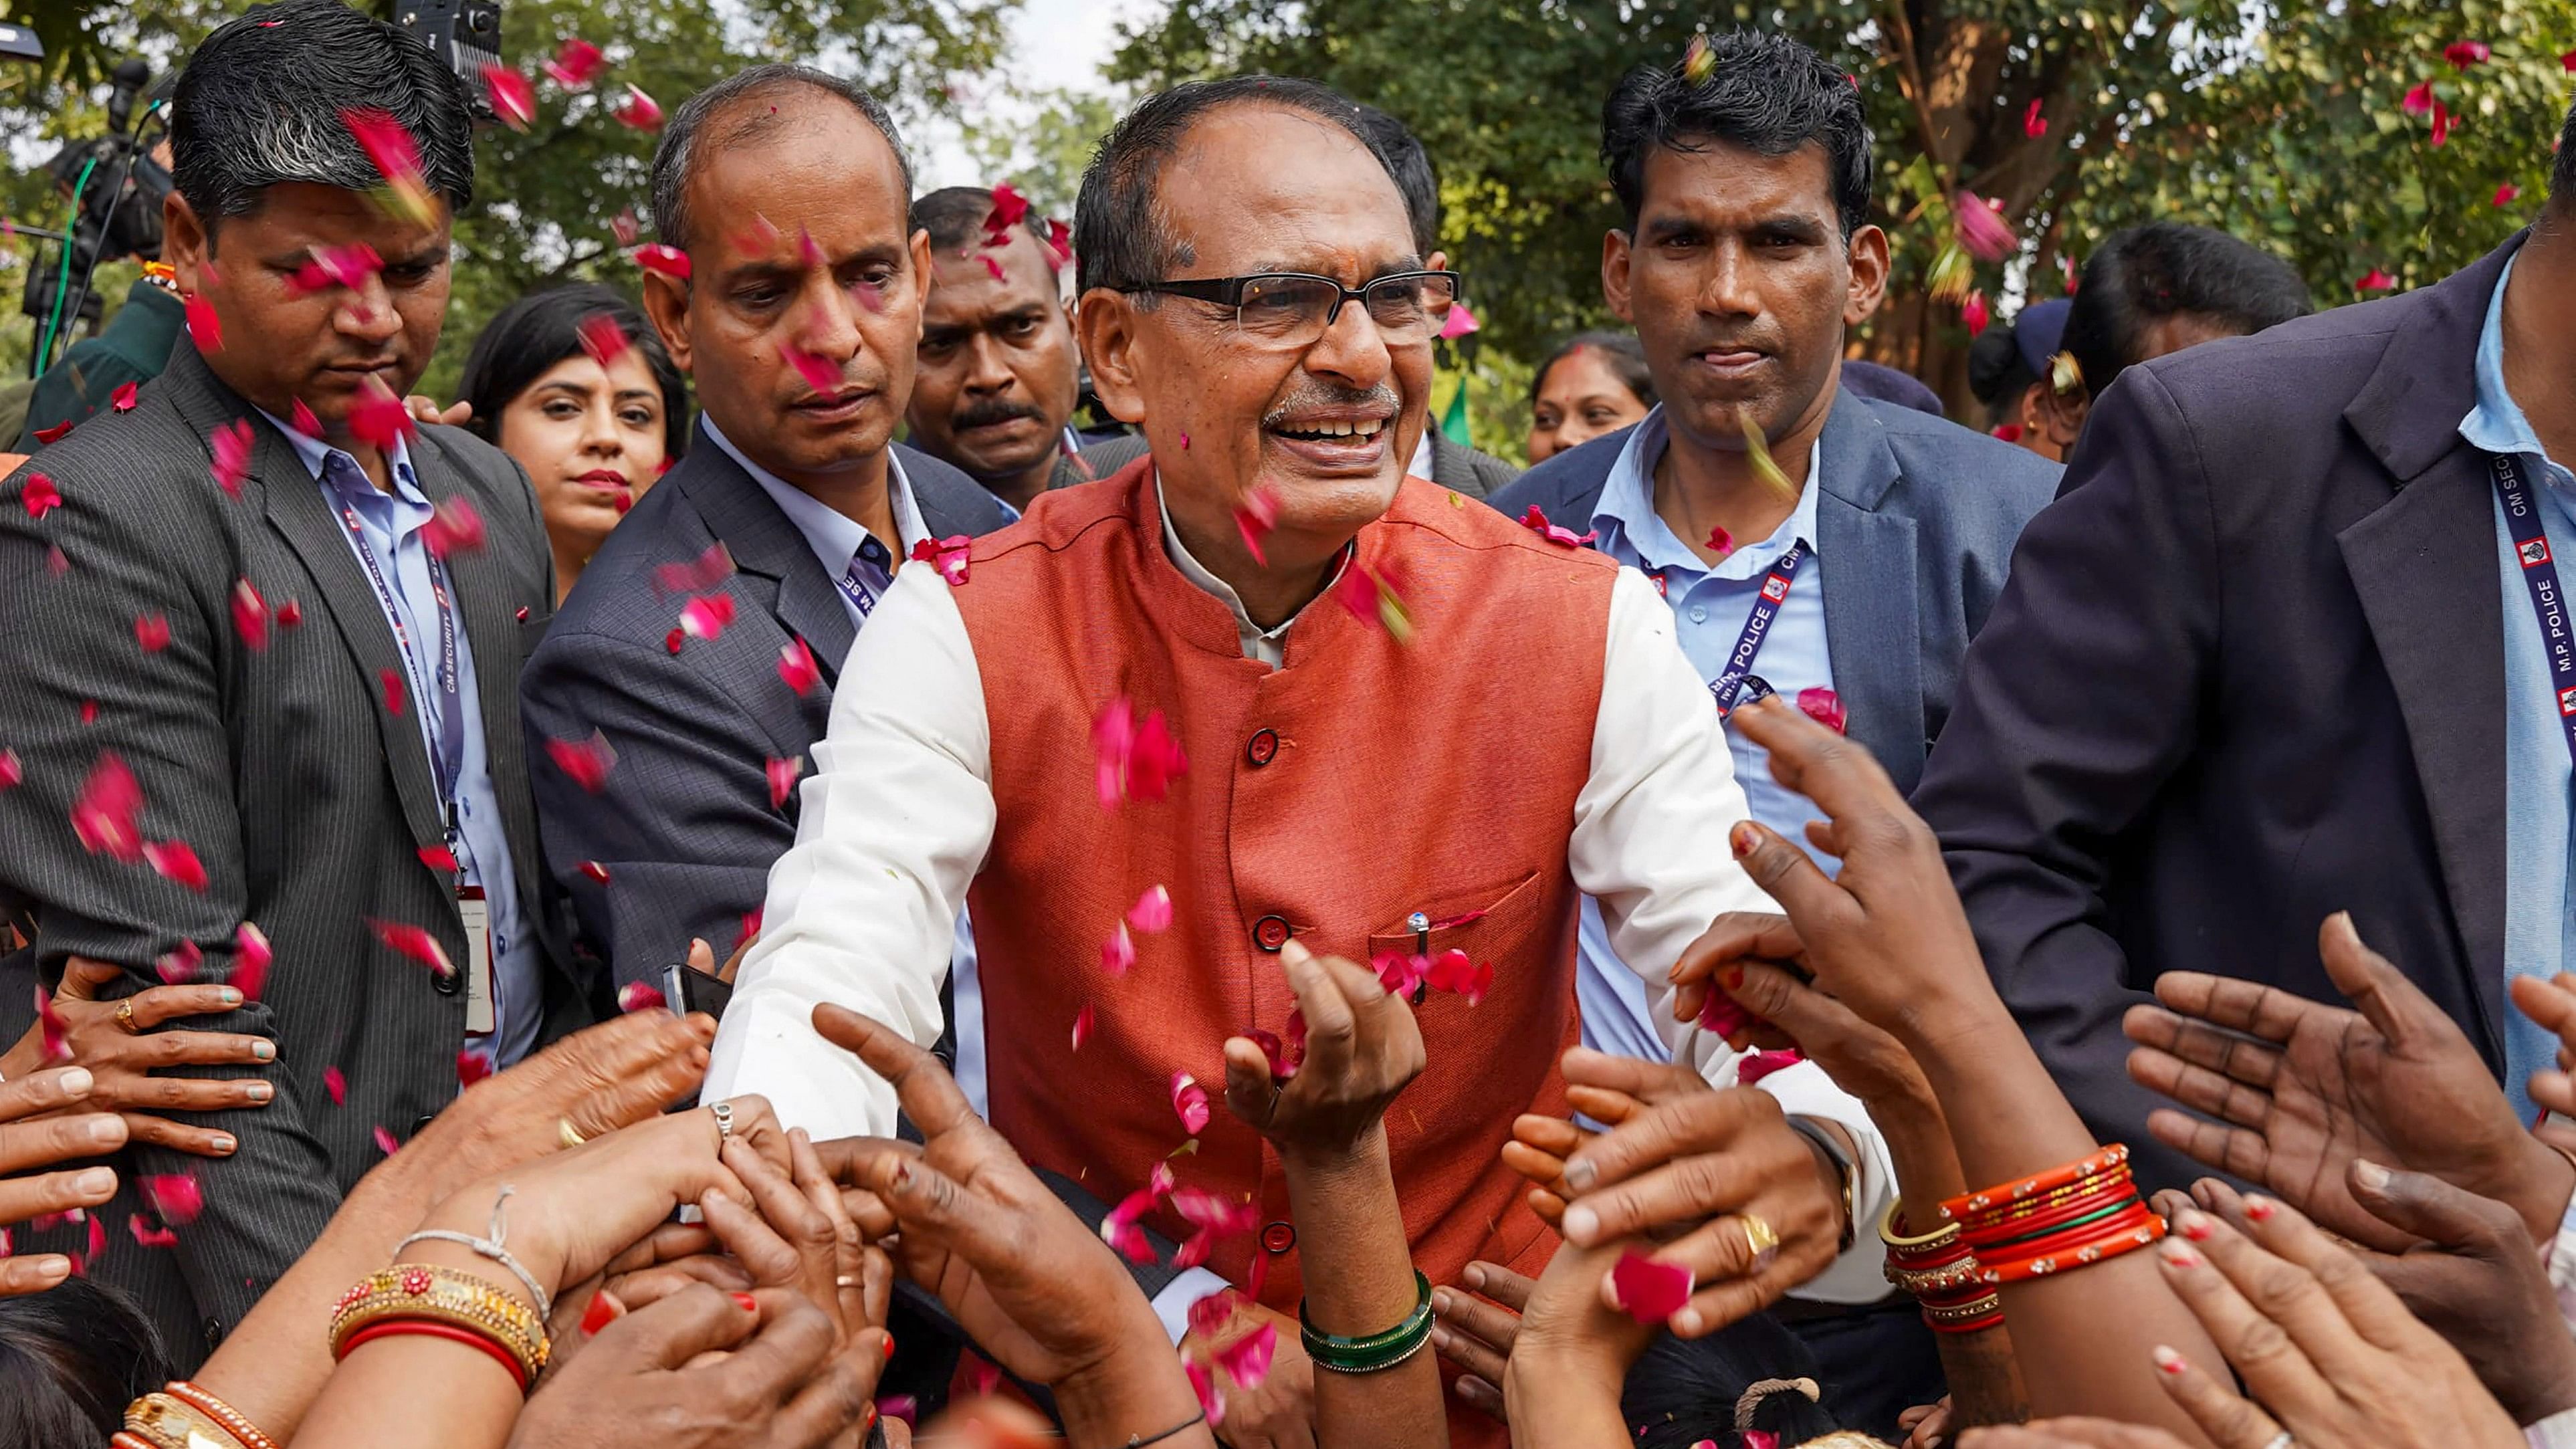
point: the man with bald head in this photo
(705, 644)
(1143, 688)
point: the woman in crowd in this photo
(2008, 369)
(1593, 383)
(573, 384)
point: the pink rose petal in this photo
(175, 1197)
(1118, 953)
(177, 860)
(586, 761)
(250, 615)
(1247, 1359)
(512, 95)
(663, 259)
(251, 955)
(454, 527)
(1190, 1101)
(1823, 706)
(1082, 1026)
(796, 666)
(40, 495)
(635, 996)
(336, 1082)
(1152, 911)
(104, 814)
(1648, 1291)
(782, 780)
(204, 328)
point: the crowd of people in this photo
(1176, 904)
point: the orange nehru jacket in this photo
(1333, 799)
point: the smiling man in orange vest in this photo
(1260, 685)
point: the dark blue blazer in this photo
(2249, 671)
(1916, 518)
(684, 827)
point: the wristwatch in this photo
(1846, 1167)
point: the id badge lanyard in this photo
(1736, 682)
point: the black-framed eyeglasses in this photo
(1295, 309)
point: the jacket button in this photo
(214, 1333)
(421, 1123)
(1278, 1237)
(447, 982)
(1263, 749)
(1270, 932)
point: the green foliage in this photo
(1044, 156)
(545, 200)
(2278, 120)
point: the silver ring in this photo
(724, 1121)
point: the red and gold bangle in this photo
(2021, 1188)
(444, 1295)
(242, 1429)
(2064, 1205)
(1891, 1232)
(1979, 1313)
(426, 1328)
(2107, 1245)
(2014, 1240)
(1928, 1282)
(2109, 1220)
(161, 1420)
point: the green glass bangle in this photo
(1377, 1350)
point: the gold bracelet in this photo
(1919, 1281)
(1887, 1233)
(444, 1295)
(234, 1421)
(166, 1423)
(1961, 1313)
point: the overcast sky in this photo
(1055, 45)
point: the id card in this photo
(477, 913)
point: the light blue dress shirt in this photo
(392, 523)
(835, 538)
(2539, 928)
(1710, 606)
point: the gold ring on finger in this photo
(1760, 1238)
(125, 1018)
(567, 1133)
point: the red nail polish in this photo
(889, 1346)
(1742, 841)
(2171, 1363)
(2196, 1230)
(749, 1303)
(2259, 1208)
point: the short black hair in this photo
(261, 100)
(1621, 350)
(954, 217)
(1120, 240)
(677, 154)
(1410, 165)
(1765, 93)
(1685, 1391)
(528, 337)
(71, 1359)
(1996, 372)
(2168, 269)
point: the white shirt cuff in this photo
(1172, 1305)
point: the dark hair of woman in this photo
(71, 1359)
(532, 334)
(1683, 1391)
(1619, 350)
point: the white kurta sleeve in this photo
(862, 910)
(1649, 843)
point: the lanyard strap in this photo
(1735, 678)
(2540, 577)
(447, 759)
(867, 577)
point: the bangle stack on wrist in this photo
(1377, 1351)
(1941, 1272)
(183, 1416)
(420, 1299)
(2067, 1217)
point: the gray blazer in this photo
(1478, 475)
(306, 799)
(1918, 517)
(684, 827)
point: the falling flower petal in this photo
(1721, 542)
(251, 955)
(1754, 1066)
(413, 942)
(103, 815)
(178, 966)
(1190, 1101)
(152, 631)
(1119, 1230)
(624, 228)
(900, 1406)
(707, 615)
(52, 1033)
(992, 266)
(175, 1197)
(1247, 1359)
(471, 1067)
(52, 434)
(1535, 520)
(820, 373)
(348, 266)
(602, 338)
(391, 682)
(2065, 374)
(796, 666)
(661, 257)
(378, 418)
(1214, 1311)
(1974, 313)
(1984, 233)
(40, 495)
(635, 996)
(2374, 280)
(1399, 971)
(696, 576)
(2033, 124)
(1152, 911)
(1081, 1027)
(586, 761)
(576, 64)
(11, 771)
(1648, 1291)
(948, 555)
(2419, 101)
(204, 328)
(2443, 121)
(639, 110)
(782, 780)
(89, 711)
(304, 421)
(396, 158)
(1203, 1383)
(1010, 208)
(2066, 264)
(122, 400)
(232, 442)
(1059, 240)
(290, 614)
(1698, 60)
(438, 857)
(385, 1142)
(2567, 62)
(1757, 451)
(2507, 194)
(512, 95)
(250, 615)
(1137, 761)
(1823, 706)
(2465, 53)
(150, 1237)
(177, 860)
(1458, 322)
(2008, 432)
(594, 870)
(1453, 971)
(1118, 953)
(1256, 516)
(336, 1082)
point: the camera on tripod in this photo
(117, 188)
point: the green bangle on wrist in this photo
(1376, 1351)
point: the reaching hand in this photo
(2552, 1003)
(1362, 1048)
(1758, 961)
(2302, 1089)
(1477, 1335)
(42, 1122)
(1755, 1212)
(122, 1057)
(424, 410)
(702, 1369)
(1039, 1292)
(2326, 1350)
(1572, 1347)
(622, 1071)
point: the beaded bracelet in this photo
(1977, 1313)
(444, 1295)
(1376, 1351)
(1922, 1281)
